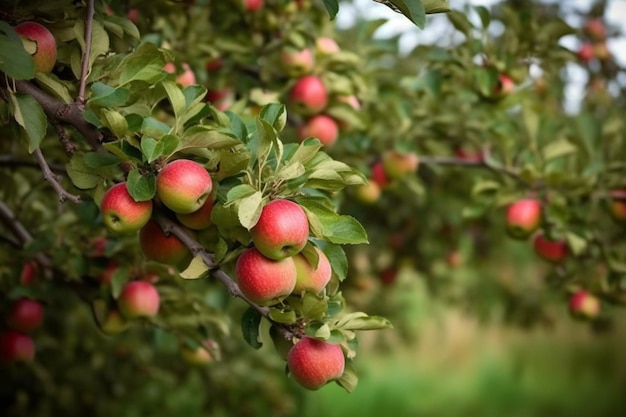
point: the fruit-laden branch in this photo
(53, 179)
(84, 71)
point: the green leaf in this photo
(103, 95)
(323, 332)
(15, 61)
(460, 22)
(332, 7)
(249, 209)
(196, 269)
(250, 322)
(118, 280)
(238, 192)
(141, 187)
(485, 18)
(99, 42)
(305, 151)
(348, 380)
(207, 138)
(169, 143)
(149, 148)
(412, 9)
(100, 159)
(154, 128)
(577, 244)
(436, 6)
(326, 224)
(291, 171)
(81, 174)
(115, 122)
(338, 260)
(266, 138)
(557, 149)
(54, 86)
(313, 307)
(237, 126)
(365, 323)
(282, 316)
(176, 97)
(275, 114)
(145, 64)
(30, 116)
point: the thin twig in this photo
(53, 180)
(84, 71)
(69, 147)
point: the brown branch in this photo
(84, 71)
(69, 147)
(53, 180)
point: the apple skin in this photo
(326, 46)
(586, 52)
(214, 64)
(551, 251)
(322, 127)
(262, 280)
(183, 186)
(29, 273)
(200, 355)
(25, 315)
(159, 247)
(389, 276)
(187, 77)
(309, 95)
(504, 86)
(378, 175)
(523, 217)
(121, 213)
(16, 347)
(595, 29)
(253, 5)
(46, 55)
(617, 206)
(310, 279)
(352, 101)
(221, 99)
(114, 322)
(398, 164)
(282, 230)
(601, 51)
(199, 219)
(582, 304)
(368, 193)
(297, 62)
(313, 363)
(139, 299)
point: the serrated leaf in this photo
(249, 209)
(237, 126)
(154, 128)
(82, 175)
(266, 138)
(31, 117)
(141, 187)
(149, 148)
(250, 322)
(291, 171)
(305, 151)
(196, 269)
(313, 307)
(238, 192)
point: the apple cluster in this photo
(23, 317)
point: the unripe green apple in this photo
(322, 127)
(200, 355)
(309, 278)
(262, 280)
(45, 55)
(199, 219)
(583, 304)
(114, 322)
(162, 248)
(121, 213)
(326, 46)
(16, 347)
(550, 250)
(309, 95)
(139, 299)
(183, 186)
(368, 193)
(399, 164)
(282, 229)
(523, 217)
(25, 315)
(297, 62)
(313, 363)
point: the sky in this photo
(436, 25)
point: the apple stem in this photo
(84, 71)
(53, 180)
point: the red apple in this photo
(159, 247)
(297, 62)
(399, 164)
(45, 55)
(106, 276)
(549, 250)
(133, 15)
(184, 186)
(595, 29)
(139, 299)
(221, 99)
(379, 176)
(253, 5)
(25, 315)
(352, 101)
(368, 193)
(187, 77)
(322, 127)
(467, 155)
(199, 219)
(584, 305)
(313, 363)
(214, 64)
(504, 86)
(29, 272)
(121, 213)
(282, 230)
(16, 347)
(114, 322)
(586, 52)
(388, 276)
(309, 95)
(326, 46)
(309, 278)
(617, 206)
(263, 280)
(523, 217)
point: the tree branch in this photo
(53, 180)
(84, 71)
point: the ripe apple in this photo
(586, 52)
(309, 278)
(187, 77)
(326, 46)
(139, 299)
(121, 213)
(468, 155)
(214, 64)
(262, 280)
(399, 164)
(45, 54)
(595, 29)
(253, 5)
(114, 322)
(322, 127)
(368, 193)
(16, 347)
(617, 206)
(309, 95)
(159, 247)
(133, 15)
(584, 305)
(183, 186)
(523, 218)
(313, 363)
(29, 272)
(282, 230)
(25, 315)
(352, 100)
(199, 219)
(504, 86)
(388, 276)
(221, 98)
(549, 250)
(297, 62)
(379, 176)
